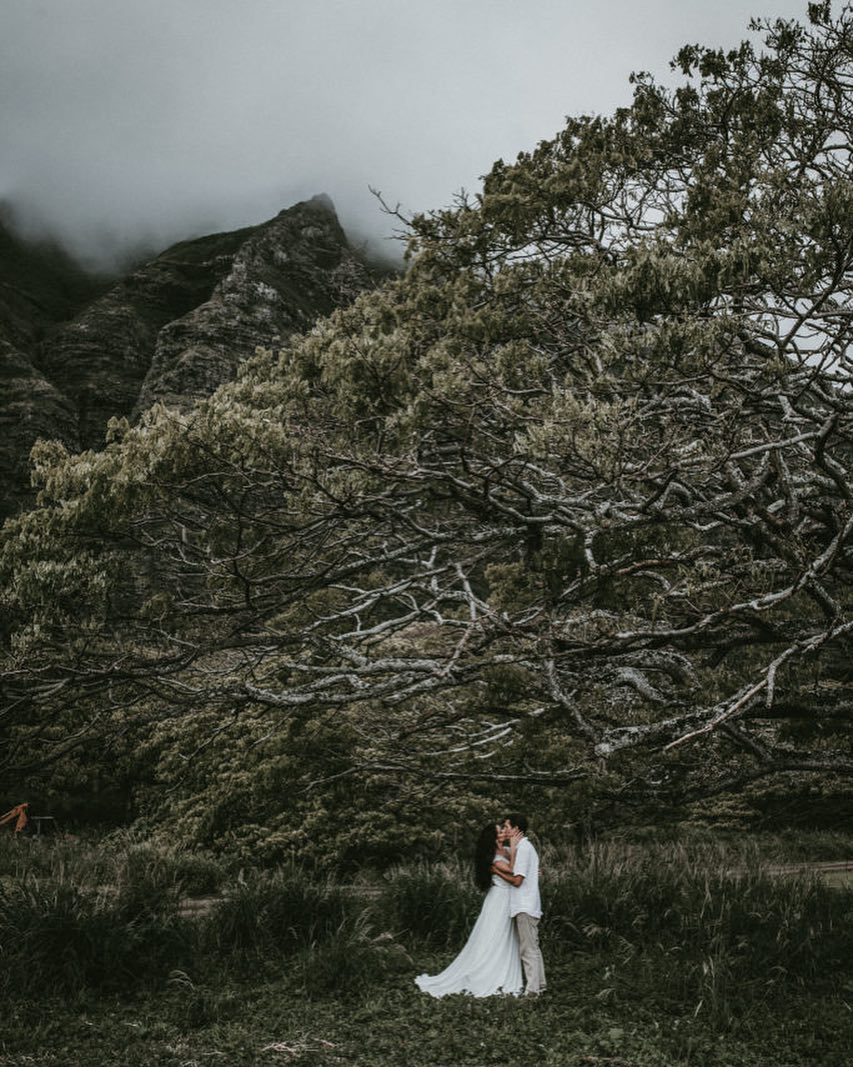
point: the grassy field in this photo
(271, 1021)
(656, 954)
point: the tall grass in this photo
(317, 931)
(704, 928)
(432, 903)
(58, 939)
(274, 914)
(701, 928)
(351, 960)
(696, 928)
(108, 860)
(79, 914)
(79, 859)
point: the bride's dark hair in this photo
(484, 854)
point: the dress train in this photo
(489, 963)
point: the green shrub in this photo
(274, 914)
(349, 961)
(163, 874)
(702, 932)
(198, 873)
(437, 904)
(82, 860)
(56, 937)
(145, 881)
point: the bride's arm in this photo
(505, 872)
(501, 867)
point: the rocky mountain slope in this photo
(39, 286)
(75, 352)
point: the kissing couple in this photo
(505, 936)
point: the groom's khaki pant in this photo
(531, 958)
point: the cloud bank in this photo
(125, 123)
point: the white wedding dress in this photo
(489, 963)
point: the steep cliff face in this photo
(284, 275)
(73, 355)
(39, 286)
(100, 358)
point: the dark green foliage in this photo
(433, 904)
(273, 914)
(100, 915)
(700, 927)
(154, 869)
(61, 938)
(350, 962)
(120, 859)
(715, 929)
(145, 882)
(198, 873)
(320, 933)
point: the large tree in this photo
(581, 477)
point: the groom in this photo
(525, 905)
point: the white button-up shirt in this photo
(525, 897)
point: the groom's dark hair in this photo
(517, 820)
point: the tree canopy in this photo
(574, 492)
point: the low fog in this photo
(127, 125)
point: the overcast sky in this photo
(144, 121)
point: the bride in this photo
(489, 963)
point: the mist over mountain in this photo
(78, 348)
(128, 127)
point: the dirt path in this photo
(833, 872)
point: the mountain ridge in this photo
(78, 349)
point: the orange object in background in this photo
(19, 812)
